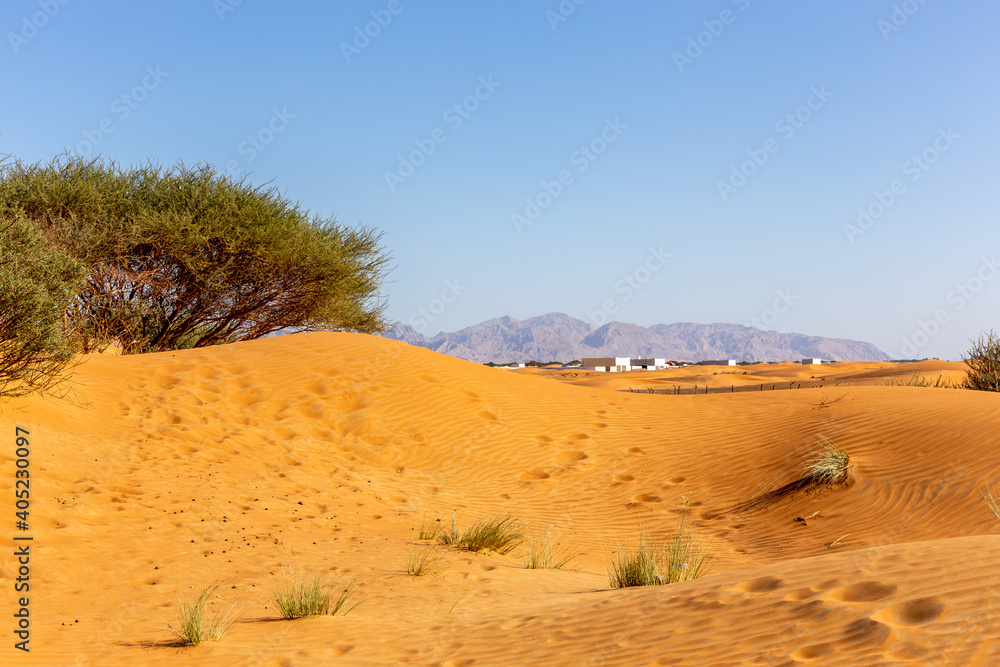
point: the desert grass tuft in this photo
(829, 465)
(430, 529)
(307, 596)
(992, 502)
(501, 534)
(652, 564)
(339, 603)
(196, 625)
(452, 536)
(419, 563)
(918, 380)
(685, 559)
(544, 553)
(638, 567)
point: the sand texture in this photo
(327, 452)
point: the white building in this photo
(719, 362)
(607, 364)
(812, 360)
(648, 364)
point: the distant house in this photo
(649, 364)
(719, 362)
(607, 364)
(518, 364)
(812, 360)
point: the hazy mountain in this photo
(560, 337)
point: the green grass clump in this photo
(429, 529)
(652, 564)
(685, 559)
(307, 596)
(638, 567)
(829, 465)
(501, 534)
(992, 503)
(544, 553)
(419, 563)
(196, 625)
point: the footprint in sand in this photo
(912, 613)
(864, 591)
(760, 585)
(814, 652)
(866, 630)
(570, 456)
(313, 410)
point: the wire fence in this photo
(685, 390)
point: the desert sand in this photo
(325, 453)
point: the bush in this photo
(36, 286)
(189, 258)
(983, 361)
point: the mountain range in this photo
(556, 336)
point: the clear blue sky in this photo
(819, 107)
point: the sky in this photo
(825, 168)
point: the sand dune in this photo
(326, 452)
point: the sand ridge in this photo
(325, 452)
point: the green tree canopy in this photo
(186, 257)
(36, 286)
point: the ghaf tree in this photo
(186, 257)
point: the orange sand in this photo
(325, 453)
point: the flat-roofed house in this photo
(719, 362)
(649, 364)
(606, 364)
(812, 360)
